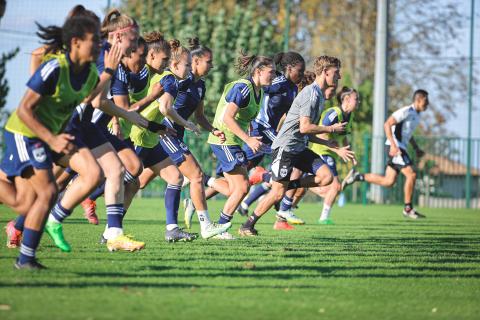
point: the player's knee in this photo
(197, 177)
(324, 178)
(48, 194)
(95, 175)
(242, 189)
(412, 175)
(389, 181)
(135, 167)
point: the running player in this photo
(147, 144)
(399, 129)
(33, 132)
(290, 149)
(347, 100)
(238, 106)
(275, 105)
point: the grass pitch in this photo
(373, 264)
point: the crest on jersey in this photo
(283, 172)
(39, 153)
(183, 146)
(330, 161)
(240, 156)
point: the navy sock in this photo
(128, 178)
(286, 203)
(408, 206)
(224, 218)
(30, 241)
(266, 177)
(172, 202)
(115, 215)
(20, 222)
(250, 223)
(97, 193)
(59, 212)
(256, 193)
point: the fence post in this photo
(366, 145)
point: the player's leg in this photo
(408, 188)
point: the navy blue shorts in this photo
(22, 153)
(151, 156)
(267, 139)
(228, 157)
(331, 164)
(283, 163)
(85, 131)
(176, 149)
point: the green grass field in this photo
(372, 264)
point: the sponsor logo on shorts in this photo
(39, 153)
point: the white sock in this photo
(51, 218)
(210, 182)
(325, 212)
(112, 233)
(203, 218)
(172, 226)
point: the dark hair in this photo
(196, 49)
(57, 38)
(345, 92)
(420, 92)
(308, 78)
(155, 41)
(80, 10)
(142, 42)
(247, 64)
(284, 59)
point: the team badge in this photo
(240, 156)
(330, 161)
(39, 153)
(283, 172)
(183, 146)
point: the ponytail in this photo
(155, 41)
(346, 91)
(247, 64)
(196, 49)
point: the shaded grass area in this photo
(372, 264)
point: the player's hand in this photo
(157, 91)
(192, 127)
(338, 127)
(419, 152)
(345, 153)
(62, 143)
(255, 143)
(220, 135)
(394, 151)
(116, 131)
(113, 57)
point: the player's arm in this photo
(36, 58)
(166, 102)
(205, 124)
(280, 123)
(419, 152)
(122, 101)
(394, 150)
(231, 111)
(307, 127)
(157, 91)
(58, 143)
(343, 152)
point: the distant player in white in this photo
(399, 129)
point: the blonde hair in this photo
(114, 20)
(324, 62)
(177, 50)
(155, 41)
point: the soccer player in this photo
(33, 132)
(347, 100)
(399, 129)
(238, 106)
(290, 149)
(276, 103)
(147, 144)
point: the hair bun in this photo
(174, 44)
(193, 43)
(153, 36)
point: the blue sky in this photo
(17, 29)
